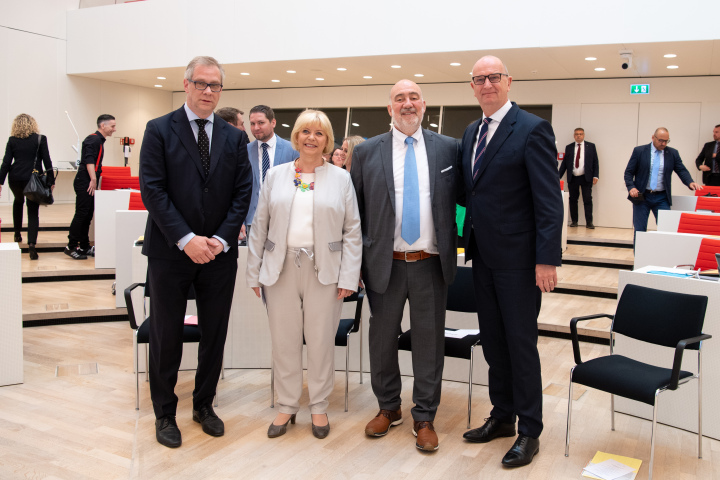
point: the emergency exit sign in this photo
(641, 89)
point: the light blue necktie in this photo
(655, 171)
(411, 197)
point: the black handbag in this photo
(38, 188)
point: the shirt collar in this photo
(500, 114)
(102, 137)
(271, 143)
(653, 149)
(192, 117)
(400, 136)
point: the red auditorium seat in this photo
(707, 189)
(116, 171)
(136, 202)
(698, 223)
(110, 182)
(708, 203)
(562, 184)
(706, 255)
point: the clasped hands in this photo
(203, 249)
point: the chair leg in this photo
(569, 415)
(652, 436)
(272, 385)
(470, 384)
(612, 412)
(347, 369)
(137, 373)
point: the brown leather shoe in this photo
(380, 425)
(427, 439)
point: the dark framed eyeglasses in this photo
(660, 141)
(493, 77)
(214, 87)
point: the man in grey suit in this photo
(265, 152)
(406, 184)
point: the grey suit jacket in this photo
(284, 153)
(372, 174)
(336, 228)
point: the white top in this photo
(581, 169)
(300, 230)
(427, 240)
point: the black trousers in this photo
(32, 208)
(84, 209)
(169, 281)
(575, 185)
(713, 180)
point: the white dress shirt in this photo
(300, 229)
(496, 117)
(580, 170)
(427, 240)
(272, 143)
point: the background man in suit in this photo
(513, 229)
(581, 163)
(709, 160)
(265, 152)
(649, 172)
(406, 185)
(233, 116)
(196, 184)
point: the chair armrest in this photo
(677, 361)
(129, 304)
(574, 334)
(690, 266)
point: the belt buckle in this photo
(406, 257)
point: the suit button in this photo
(473, 194)
(207, 190)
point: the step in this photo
(45, 240)
(69, 299)
(599, 255)
(601, 235)
(558, 309)
(57, 264)
(590, 279)
(54, 216)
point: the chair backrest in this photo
(110, 182)
(706, 255)
(708, 203)
(136, 202)
(699, 223)
(116, 171)
(562, 184)
(658, 316)
(707, 189)
(461, 294)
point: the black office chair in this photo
(141, 334)
(342, 339)
(663, 318)
(461, 298)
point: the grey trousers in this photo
(421, 283)
(299, 305)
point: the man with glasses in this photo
(648, 178)
(196, 183)
(513, 229)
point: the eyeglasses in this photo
(661, 142)
(493, 77)
(214, 87)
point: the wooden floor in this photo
(84, 426)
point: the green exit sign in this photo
(643, 89)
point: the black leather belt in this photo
(647, 192)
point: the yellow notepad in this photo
(633, 463)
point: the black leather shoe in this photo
(167, 432)
(492, 429)
(590, 226)
(522, 452)
(573, 224)
(210, 422)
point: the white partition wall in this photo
(11, 336)
(107, 202)
(129, 226)
(666, 249)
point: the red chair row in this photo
(707, 189)
(699, 223)
(136, 202)
(110, 182)
(706, 255)
(116, 171)
(708, 203)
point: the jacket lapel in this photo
(181, 127)
(501, 134)
(431, 158)
(468, 157)
(218, 141)
(386, 159)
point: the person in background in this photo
(348, 146)
(26, 147)
(337, 157)
(581, 164)
(709, 160)
(233, 116)
(304, 252)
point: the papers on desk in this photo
(606, 466)
(690, 274)
(460, 333)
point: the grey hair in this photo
(205, 61)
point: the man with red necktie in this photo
(581, 163)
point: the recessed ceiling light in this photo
(590, 59)
(244, 73)
(600, 69)
(670, 55)
(161, 78)
(159, 86)
(395, 66)
(355, 124)
(434, 125)
(672, 67)
(367, 76)
(341, 69)
(275, 81)
(454, 64)
(319, 78)
(419, 75)
(291, 71)
(286, 125)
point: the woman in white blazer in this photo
(304, 252)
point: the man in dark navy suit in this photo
(581, 163)
(649, 172)
(513, 229)
(196, 183)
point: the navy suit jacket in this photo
(179, 198)
(514, 205)
(637, 172)
(706, 158)
(284, 153)
(592, 168)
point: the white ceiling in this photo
(694, 58)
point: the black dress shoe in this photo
(167, 432)
(590, 226)
(493, 428)
(522, 452)
(573, 224)
(210, 422)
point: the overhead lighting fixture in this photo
(291, 71)
(159, 86)
(670, 55)
(367, 76)
(672, 67)
(320, 78)
(419, 75)
(600, 69)
(341, 69)
(275, 81)
(395, 66)
(590, 59)
(161, 78)
(355, 124)
(454, 64)
(244, 73)
(286, 125)
(434, 125)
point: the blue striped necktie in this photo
(265, 160)
(481, 146)
(410, 231)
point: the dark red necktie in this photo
(577, 157)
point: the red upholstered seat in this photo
(698, 223)
(708, 203)
(109, 182)
(706, 255)
(136, 202)
(562, 184)
(707, 189)
(116, 171)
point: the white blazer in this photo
(336, 228)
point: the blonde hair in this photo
(23, 126)
(313, 117)
(353, 141)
